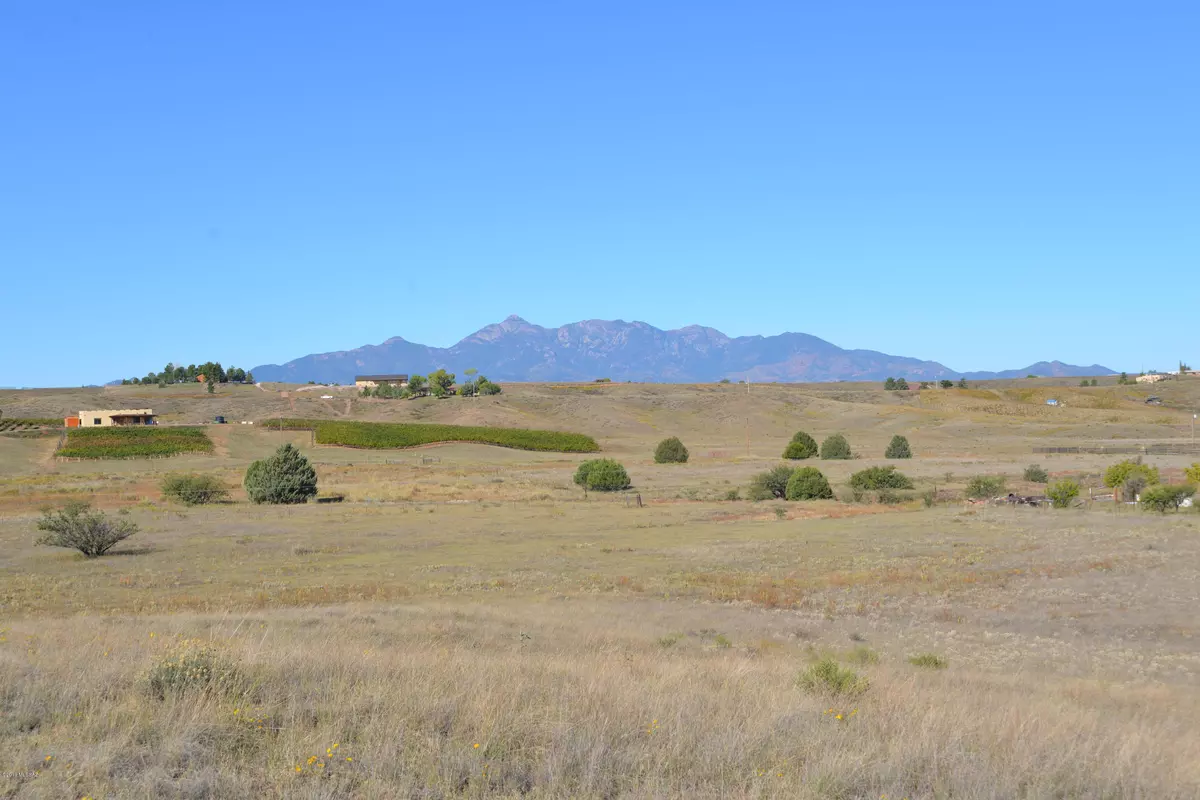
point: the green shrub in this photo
(826, 677)
(670, 451)
(190, 665)
(770, 484)
(863, 656)
(1119, 474)
(1062, 493)
(76, 526)
(732, 494)
(807, 483)
(284, 478)
(836, 446)
(875, 478)
(985, 487)
(801, 446)
(1166, 497)
(194, 490)
(898, 448)
(602, 475)
(929, 661)
(383, 435)
(1035, 474)
(945, 384)
(131, 442)
(888, 497)
(1192, 474)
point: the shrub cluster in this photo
(836, 447)
(985, 487)
(1063, 493)
(284, 478)
(134, 442)
(807, 483)
(77, 526)
(876, 478)
(1166, 497)
(602, 475)
(771, 484)
(398, 435)
(801, 446)
(190, 665)
(1122, 472)
(1035, 474)
(898, 448)
(194, 490)
(671, 451)
(827, 677)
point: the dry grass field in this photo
(468, 624)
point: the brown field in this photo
(468, 624)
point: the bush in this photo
(929, 661)
(1035, 474)
(945, 384)
(801, 446)
(732, 494)
(194, 490)
(1063, 493)
(1165, 497)
(888, 497)
(670, 451)
(1119, 474)
(92, 533)
(1192, 473)
(283, 478)
(602, 475)
(189, 665)
(807, 483)
(826, 677)
(875, 478)
(836, 446)
(384, 435)
(985, 487)
(770, 484)
(898, 448)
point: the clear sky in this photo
(984, 184)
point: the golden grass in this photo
(593, 649)
(552, 701)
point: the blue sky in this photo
(986, 185)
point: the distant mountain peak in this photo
(518, 350)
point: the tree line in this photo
(901, 385)
(212, 371)
(438, 384)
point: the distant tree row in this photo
(212, 371)
(901, 385)
(439, 384)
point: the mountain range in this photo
(517, 350)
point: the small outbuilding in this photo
(371, 381)
(105, 418)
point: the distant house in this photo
(1153, 377)
(105, 418)
(371, 381)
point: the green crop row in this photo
(398, 435)
(21, 423)
(134, 442)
